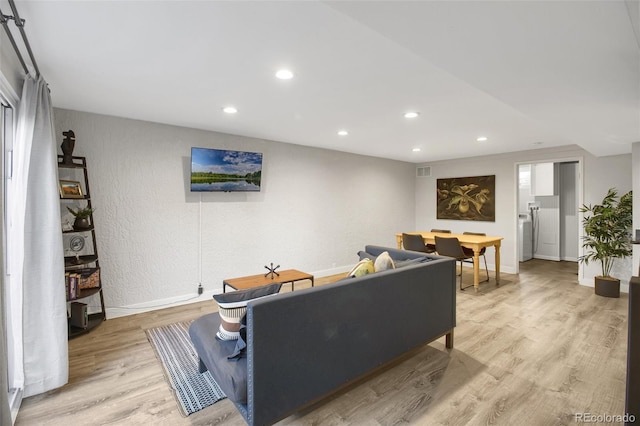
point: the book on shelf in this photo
(72, 281)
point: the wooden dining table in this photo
(473, 242)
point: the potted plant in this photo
(607, 237)
(82, 217)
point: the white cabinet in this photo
(543, 180)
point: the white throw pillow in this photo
(384, 262)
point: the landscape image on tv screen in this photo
(214, 170)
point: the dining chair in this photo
(442, 231)
(450, 247)
(469, 252)
(415, 242)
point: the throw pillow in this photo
(363, 267)
(232, 307)
(383, 262)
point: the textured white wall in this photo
(317, 208)
(600, 173)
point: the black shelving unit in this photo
(75, 264)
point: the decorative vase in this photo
(607, 286)
(81, 223)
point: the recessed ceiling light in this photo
(284, 74)
(411, 114)
(230, 110)
(416, 150)
(343, 133)
(482, 139)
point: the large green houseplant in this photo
(607, 237)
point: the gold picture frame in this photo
(466, 198)
(70, 189)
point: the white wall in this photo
(600, 173)
(317, 208)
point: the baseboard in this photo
(543, 257)
(333, 271)
(589, 282)
(138, 308)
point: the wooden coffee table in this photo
(287, 276)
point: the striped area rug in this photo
(193, 391)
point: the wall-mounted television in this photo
(221, 170)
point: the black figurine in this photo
(272, 271)
(67, 146)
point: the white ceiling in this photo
(525, 74)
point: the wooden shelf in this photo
(75, 231)
(78, 163)
(86, 197)
(94, 321)
(70, 261)
(76, 170)
(87, 292)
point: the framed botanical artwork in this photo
(467, 198)
(70, 189)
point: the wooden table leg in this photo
(476, 268)
(497, 246)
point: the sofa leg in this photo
(201, 367)
(449, 340)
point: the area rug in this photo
(193, 391)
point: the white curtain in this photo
(35, 247)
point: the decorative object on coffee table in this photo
(68, 143)
(272, 270)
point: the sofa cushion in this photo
(409, 262)
(214, 353)
(383, 262)
(232, 307)
(364, 255)
(364, 267)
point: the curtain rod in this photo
(4, 20)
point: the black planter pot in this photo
(81, 223)
(607, 286)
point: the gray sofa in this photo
(304, 345)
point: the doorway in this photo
(548, 199)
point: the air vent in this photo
(423, 171)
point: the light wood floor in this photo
(534, 351)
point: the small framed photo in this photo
(70, 189)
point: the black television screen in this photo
(214, 170)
